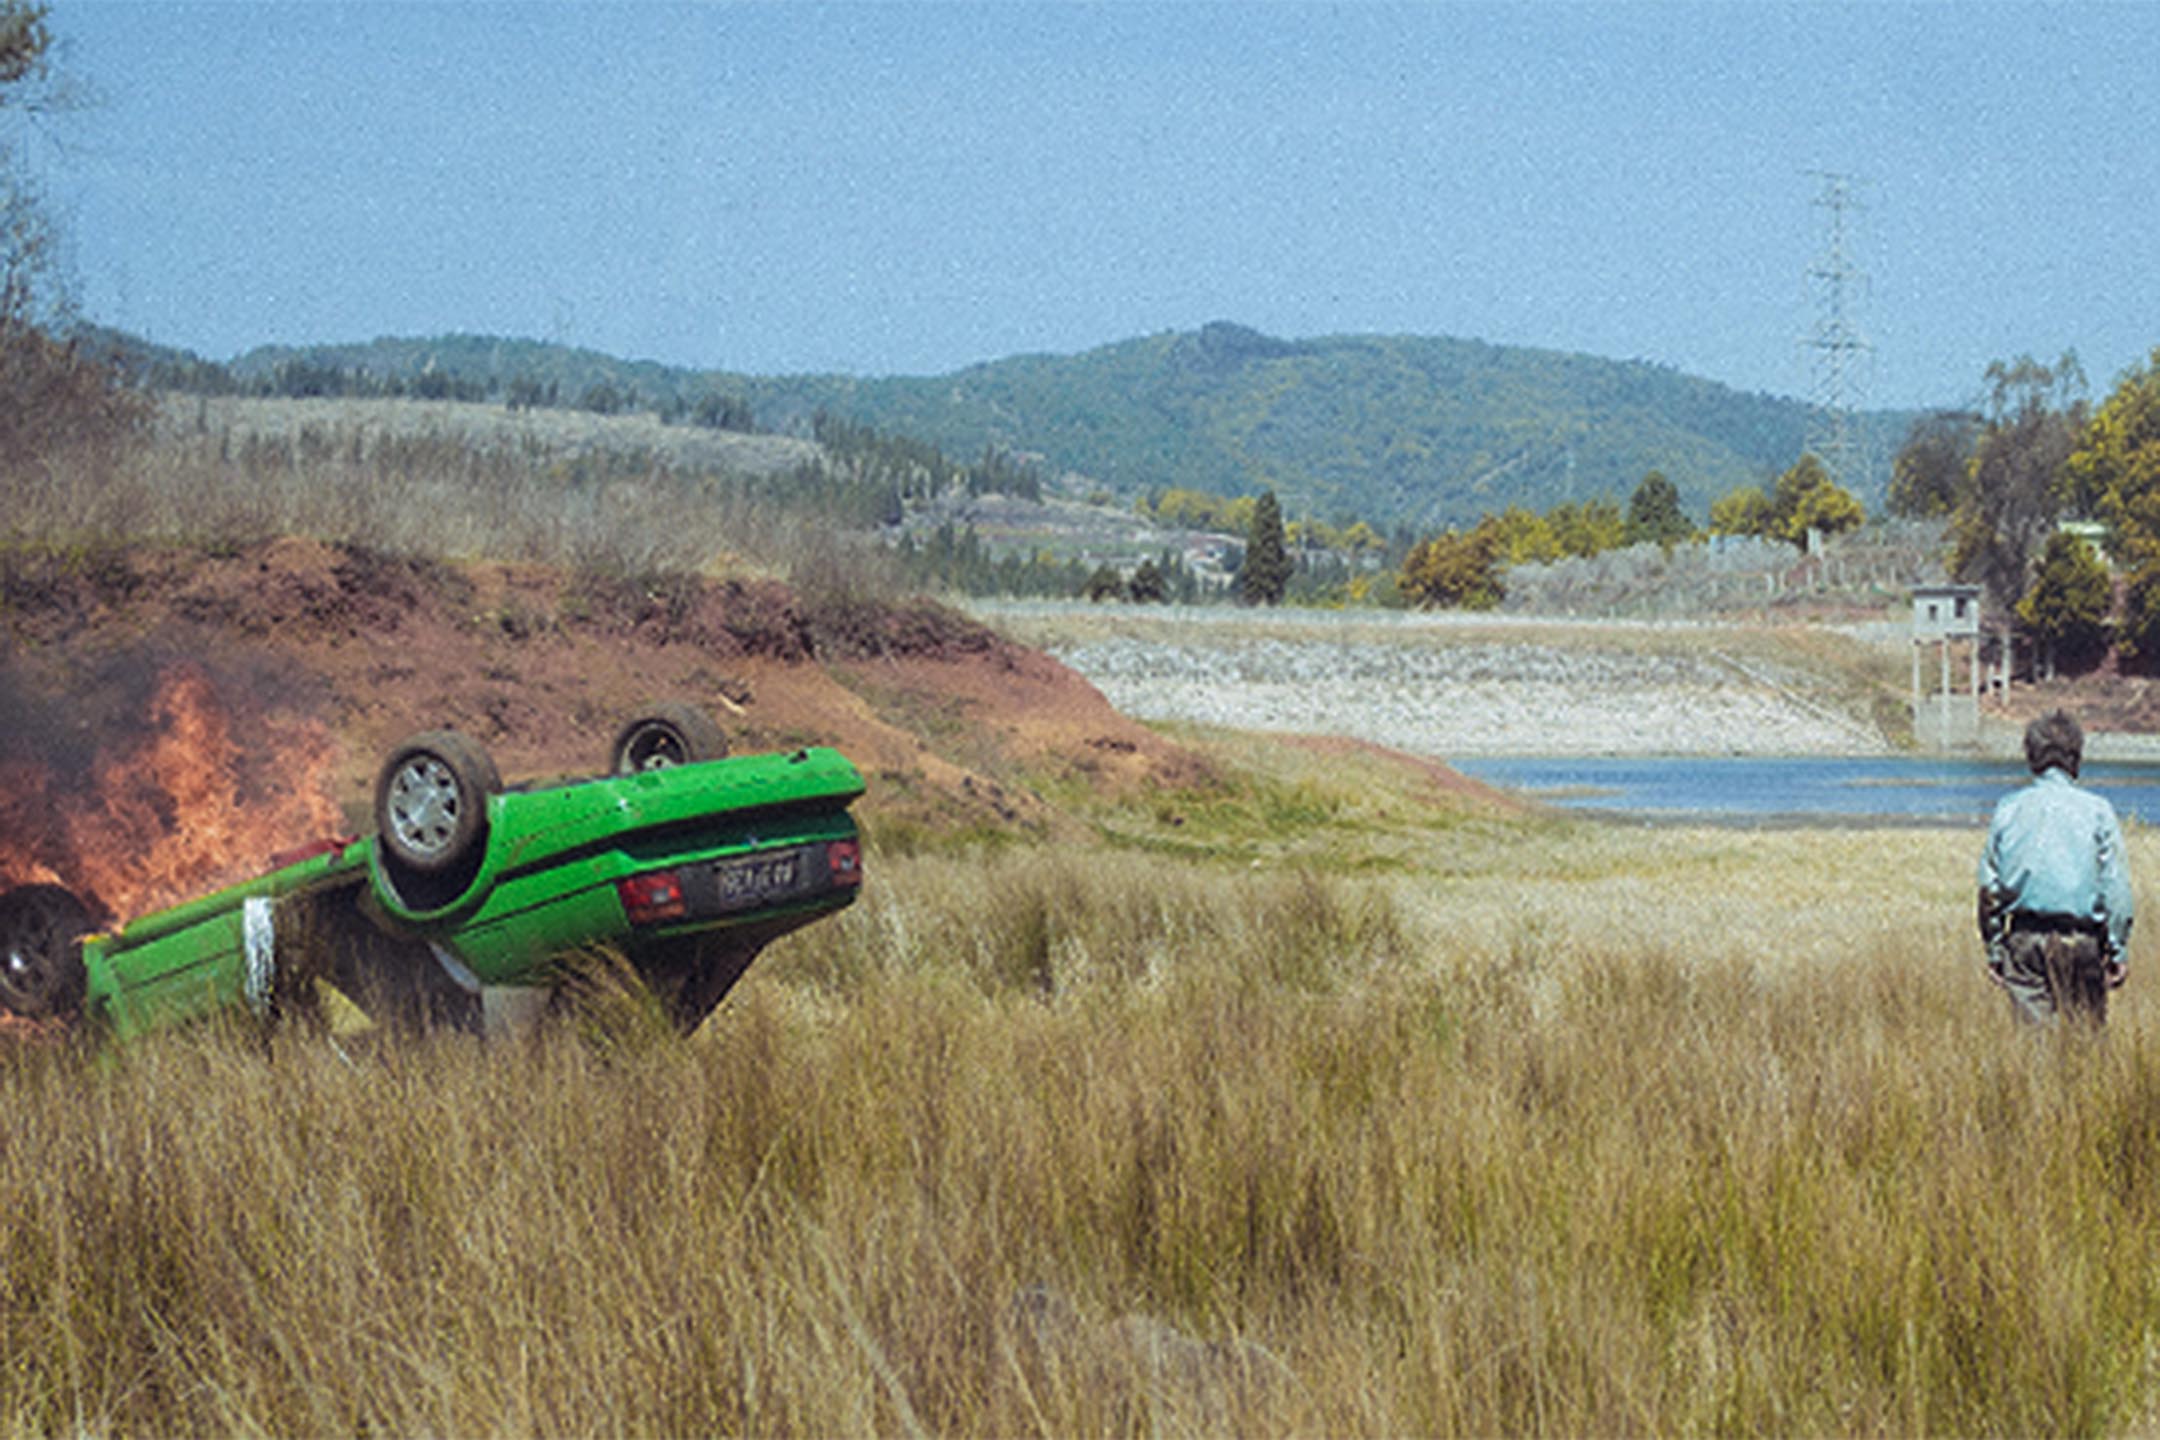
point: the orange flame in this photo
(177, 812)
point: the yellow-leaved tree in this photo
(1455, 569)
(2117, 464)
(1806, 498)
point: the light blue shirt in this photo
(2054, 849)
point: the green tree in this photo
(1525, 537)
(1588, 529)
(2067, 608)
(716, 411)
(1828, 509)
(1745, 511)
(2137, 633)
(1929, 471)
(525, 393)
(1361, 539)
(1654, 513)
(602, 398)
(1266, 571)
(1148, 586)
(1198, 510)
(2013, 491)
(1806, 498)
(2117, 463)
(1103, 584)
(1455, 569)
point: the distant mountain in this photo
(1393, 429)
(1389, 428)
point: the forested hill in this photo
(1389, 428)
(1392, 429)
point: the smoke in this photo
(36, 729)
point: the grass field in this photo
(1319, 1111)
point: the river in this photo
(1747, 730)
(1818, 789)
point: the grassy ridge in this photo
(1570, 1131)
(620, 500)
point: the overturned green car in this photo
(685, 861)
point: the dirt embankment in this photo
(952, 724)
(1436, 691)
(2109, 699)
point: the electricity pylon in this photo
(1840, 353)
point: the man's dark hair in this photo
(2054, 740)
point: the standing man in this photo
(2055, 907)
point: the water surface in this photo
(1814, 788)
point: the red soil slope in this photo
(949, 721)
(170, 720)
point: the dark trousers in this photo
(2051, 972)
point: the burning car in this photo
(684, 859)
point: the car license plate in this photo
(752, 880)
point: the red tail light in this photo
(650, 898)
(844, 859)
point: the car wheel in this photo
(41, 965)
(431, 799)
(666, 734)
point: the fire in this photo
(27, 833)
(175, 812)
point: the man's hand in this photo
(1992, 915)
(2117, 972)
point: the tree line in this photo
(919, 471)
(302, 378)
(1466, 567)
(2007, 475)
(955, 558)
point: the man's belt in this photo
(2028, 920)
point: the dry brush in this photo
(1078, 1141)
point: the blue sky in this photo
(893, 188)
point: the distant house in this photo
(2092, 532)
(1942, 611)
(1943, 616)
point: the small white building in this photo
(1946, 617)
(2094, 533)
(1940, 611)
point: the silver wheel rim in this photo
(425, 805)
(23, 974)
(26, 969)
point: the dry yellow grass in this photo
(1560, 1129)
(1298, 1107)
(626, 496)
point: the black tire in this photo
(41, 965)
(663, 734)
(431, 800)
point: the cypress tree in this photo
(1266, 571)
